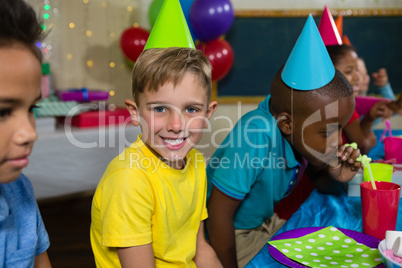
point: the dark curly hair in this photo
(337, 52)
(19, 25)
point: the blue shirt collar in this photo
(289, 155)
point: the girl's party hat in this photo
(339, 24)
(170, 28)
(346, 41)
(328, 30)
(309, 65)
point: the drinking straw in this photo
(365, 161)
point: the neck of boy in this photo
(176, 164)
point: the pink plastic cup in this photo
(379, 207)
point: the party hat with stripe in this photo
(309, 65)
(170, 28)
(328, 30)
(339, 24)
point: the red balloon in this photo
(132, 42)
(220, 55)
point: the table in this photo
(320, 210)
(72, 160)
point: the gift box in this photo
(52, 106)
(101, 118)
(364, 103)
(82, 95)
(354, 184)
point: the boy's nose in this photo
(25, 132)
(175, 123)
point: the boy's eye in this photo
(5, 112)
(159, 109)
(33, 107)
(191, 110)
(328, 133)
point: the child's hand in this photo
(347, 165)
(380, 77)
(396, 106)
(380, 109)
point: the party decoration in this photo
(211, 19)
(339, 24)
(186, 7)
(220, 55)
(346, 41)
(309, 65)
(132, 42)
(170, 28)
(328, 30)
(153, 11)
(156, 5)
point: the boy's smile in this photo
(348, 67)
(172, 119)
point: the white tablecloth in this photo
(68, 161)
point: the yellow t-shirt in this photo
(141, 200)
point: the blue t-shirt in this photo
(254, 164)
(22, 232)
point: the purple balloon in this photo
(211, 18)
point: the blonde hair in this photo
(157, 66)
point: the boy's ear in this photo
(284, 122)
(210, 110)
(133, 110)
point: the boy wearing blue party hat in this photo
(296, 129)
(149, 207)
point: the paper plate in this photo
(365, 239)
(364, 103)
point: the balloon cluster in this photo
(208, 21)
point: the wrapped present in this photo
(82, 95)
(52, 106)
(101, 118)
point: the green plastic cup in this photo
(381, 172)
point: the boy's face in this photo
(172, 119)
(317, 133)
(20, 80)
(347, 65)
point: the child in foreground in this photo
(23, 238)
(150, 205)
(296, 128)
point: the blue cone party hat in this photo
(170, 28)
(309, 65)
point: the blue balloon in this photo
(186, 6)
(211, 19)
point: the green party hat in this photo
(170, 28)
